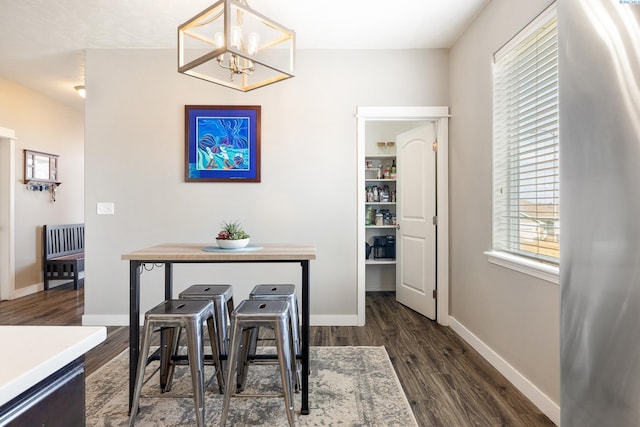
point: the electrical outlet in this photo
(104, 208)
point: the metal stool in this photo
(287, 293)
(222, 298)
(252, 314)
(173, 314)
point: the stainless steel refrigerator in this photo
(599, 66)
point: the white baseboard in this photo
(123, 320)
(36, 287)
(550, 408)
(28, 290)
(385, 287)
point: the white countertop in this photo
(32, 353)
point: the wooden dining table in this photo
(168, 254)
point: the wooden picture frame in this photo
(222, 143)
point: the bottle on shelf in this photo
(384, 194)
(379, 218)
(393, 169)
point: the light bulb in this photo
(254, 41)
(218, 39)
(236, 37)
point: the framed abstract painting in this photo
(222, 143)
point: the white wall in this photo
(134, 158)
(42, 124)
(503, 311)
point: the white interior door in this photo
(416, 209)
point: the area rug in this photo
(348, 386)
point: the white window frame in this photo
(504, 252)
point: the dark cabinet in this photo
(56, 401)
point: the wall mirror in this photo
(39, 166)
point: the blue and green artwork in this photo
(222, 143)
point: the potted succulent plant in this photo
(232, 236)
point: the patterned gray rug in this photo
(348, 386)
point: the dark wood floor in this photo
(446, 382)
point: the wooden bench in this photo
(62, 253)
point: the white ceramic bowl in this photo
(232, 244)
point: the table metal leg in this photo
(134, 320)
(165, 353)
(305, 338)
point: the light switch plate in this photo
(105, 208)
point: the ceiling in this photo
(42, 42)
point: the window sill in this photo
(542, 271)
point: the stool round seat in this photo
(169, 316)
(274, 290)
(177, 310)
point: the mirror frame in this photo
(30, 166)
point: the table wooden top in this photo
(195, 252)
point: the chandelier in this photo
(232, 45)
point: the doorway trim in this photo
(439, 114)
(7, 212)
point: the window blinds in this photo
(526, 210)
